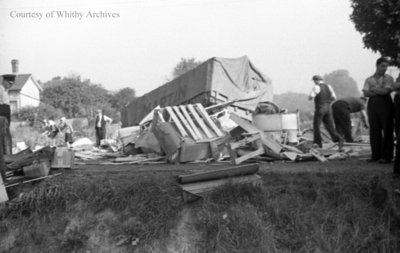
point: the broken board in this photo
(194, 191)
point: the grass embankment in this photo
(76, 213)
(79, 212)
(304, 213)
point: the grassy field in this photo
(134, 210)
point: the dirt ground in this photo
(336, 166)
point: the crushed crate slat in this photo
(185, 123)
(176, 121)
(189, 119)
(200, 121)
(208, 120)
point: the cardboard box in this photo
(63, 159)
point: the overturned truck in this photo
(214, 81)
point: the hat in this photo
(317, 78)
(9, 77)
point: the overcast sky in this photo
(288, 40)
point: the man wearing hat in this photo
(7, 82)
(323, 95)
(342, 110)
(380, 112)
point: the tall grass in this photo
(90, 211)
(302, 213)
(65, 212)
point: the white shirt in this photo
(4, 98)
(105, 119)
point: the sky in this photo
(137, 43)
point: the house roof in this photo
(20, 81)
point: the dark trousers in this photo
(342, 117)
(5, 111)
(396, 168)
(396, 114)
(380, 116)
(100, 134)
(323, 114)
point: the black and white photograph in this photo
(197, 126)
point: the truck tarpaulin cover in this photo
(217, 79)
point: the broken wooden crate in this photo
(263, 143)
(187, 133)
(194, 186)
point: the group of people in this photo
(383, 113)
(52, 129)
(334, 113)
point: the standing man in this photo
(380, 112)
(100, 126)
(5, 111)
(323, 95)
(6, 83)
(342, 109)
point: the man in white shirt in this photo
(100, 126)
(380, 112)
(323, 95)
(6, 83)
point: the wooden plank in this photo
(208, 120)
(191, 123)
(176, 121)
(215, 174)
(317, 155)
(200, 121)
(245, 157)
(247, 126)
(185, 123)
(290, 155)
(208, 186)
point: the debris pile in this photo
(29, 166)
(192, 133)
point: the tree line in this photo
(72, 97)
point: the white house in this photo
(25, 91)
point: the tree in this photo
(122, 97)
(378, 21)
(342, 83)
(76, 98)
(184, 66)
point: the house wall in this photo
(29, 95)
(14, 101)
